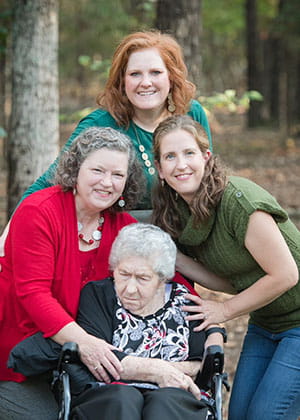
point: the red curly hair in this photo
(114, 99)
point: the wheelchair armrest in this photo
(69, 354)
(213, 363)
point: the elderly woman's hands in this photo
(97, 355)
(173, 377)
(210, 311)
(161, 372)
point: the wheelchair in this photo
(213, 378)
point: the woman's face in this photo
(182, 163)
(147, 81)
(101, 179)
(137, 285)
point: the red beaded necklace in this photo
(96, 235)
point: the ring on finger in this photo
(96, 367)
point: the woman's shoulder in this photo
(195, 108)
(242, 194)
(98, 286)
(99, 118)
(244, 187)
(45, 198)
(98, 293)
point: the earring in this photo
(162, 182)
(121, 202)
(74, 191)
(171, 105)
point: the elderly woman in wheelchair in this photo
(139, 312)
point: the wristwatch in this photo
(220, 330)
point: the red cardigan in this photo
(40, 281)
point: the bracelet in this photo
(220, 330)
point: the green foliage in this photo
(225, 18)
(229, 101)
(3, 133)
(96, 64)
(74, 116)
(5, 20)
(91, 28)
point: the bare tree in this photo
(182, 18)
(34, 125)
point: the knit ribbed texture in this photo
(219, 245)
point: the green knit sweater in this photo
(219, 245)
(102, 118)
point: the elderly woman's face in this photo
(137, 286)
(101, 179)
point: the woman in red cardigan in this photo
(59, 240)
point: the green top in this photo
(102, 118)
(219, 245)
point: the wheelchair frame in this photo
(212, 380)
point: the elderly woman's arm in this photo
(192, 367)
(176, 374)
(157, 371)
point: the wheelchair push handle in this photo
(69, 354)
(213, 364)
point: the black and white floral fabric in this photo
(164, 334)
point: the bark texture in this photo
(34, 126)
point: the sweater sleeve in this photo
(243, 197)
(33, 262)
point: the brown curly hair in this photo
(114, 98)
(96, 138)
(210, 189)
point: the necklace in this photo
(144, 155)
(96, 235)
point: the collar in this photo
(191, 234)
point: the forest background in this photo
(55, 57)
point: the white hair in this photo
(146, 241)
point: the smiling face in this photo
(101, 180)
(147, 81)
(182, 163)
(139, 289)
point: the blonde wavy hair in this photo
(114, 98)
(210, 190)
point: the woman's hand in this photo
(173, 377)
(210, 311)
(97, 355)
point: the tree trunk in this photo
(254, 113)
(34, 126)
(182, 18)
(5, 22)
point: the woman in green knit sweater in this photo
(234, 237)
